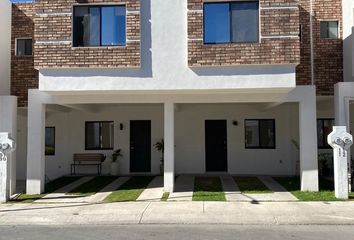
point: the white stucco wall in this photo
(5, 46)
(164, 63)
(348, 40)
(189, 137)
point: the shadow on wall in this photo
(145, 71)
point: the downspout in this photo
(311, 44)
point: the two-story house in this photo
(233, 87)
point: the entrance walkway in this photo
(184, 187)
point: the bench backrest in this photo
(95, 157)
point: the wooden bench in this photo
(88, 159)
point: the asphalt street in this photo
(178, 232)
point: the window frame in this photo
(230, 27)
(45, 153)
(100, 134)
(98, 5)
(16, 46)
(338, 29)
(324, 140)
(259, 133)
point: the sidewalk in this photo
(239, 213)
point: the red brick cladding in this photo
(23, 74)
(328, 64)
(278, 18)
(53, 47)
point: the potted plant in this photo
(160, 146)
(115, 164)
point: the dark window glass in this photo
(260, 133)
(24, 47)
(231, 22)
(324, 128)
(99, 26)
(99, 135)
(329, 29)
(50, 141)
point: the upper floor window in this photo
(324, 128)
(99, 26)
(24, 47)
(231, 22)
(329, 29)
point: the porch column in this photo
(308, 139)
(169, 154)
(8, 123)
(35, 144)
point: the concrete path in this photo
(184, 187)
(240, 213)
(280, 193)
(107, 190)
(59, 195)
(231, 190)
(154, 190)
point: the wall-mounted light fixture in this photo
(234, 122)
(121, 126)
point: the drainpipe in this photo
(311, 44)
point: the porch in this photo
(182, 122)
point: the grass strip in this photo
(208, 189)
(251, 185)
(130, 190)
(165, 196)
(93, 186)
(49, 188)
(326, 187)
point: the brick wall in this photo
(53, 47)
(278, 18)
(23, 74)
(328, 63)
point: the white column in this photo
(308, 142)
(8, 123)
(35, 144)
(169, 155)
(306, 97)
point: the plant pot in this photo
(114, 168)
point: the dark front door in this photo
(140, 146)
(216, 145)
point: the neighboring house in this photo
(229, 85)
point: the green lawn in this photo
(93, 186)
(326, 193)
(165, 196)
(130, 190)
(251, 185)
(49, 188)
(208, 189)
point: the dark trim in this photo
(54, 142)
(324, 140)
(259, 133)
(99, 148)
(100, 8)
(230, 26)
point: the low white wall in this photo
(5, 46)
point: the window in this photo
(329, 29)
(233, 22)
(260, 133)
(324, 127)
(99, 26)
(50, 141)
(99, 135)
(24, 47)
